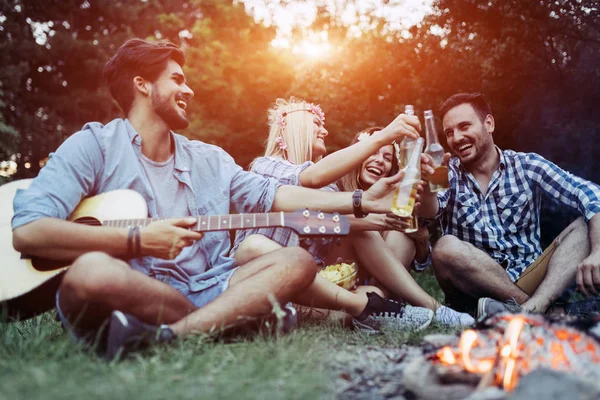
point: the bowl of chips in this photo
(342, 274)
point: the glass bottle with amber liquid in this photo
(439, 180)
(402, 155)
(406, 192)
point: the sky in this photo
(400, 14)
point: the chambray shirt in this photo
(100, 158)
(287, 173)
(505, 221)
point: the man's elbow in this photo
(22, 241)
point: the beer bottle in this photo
(439, 180)
(406, 191)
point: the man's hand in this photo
(588, 275)
(165, 239)
(378, 199)
(401, 127)
(427, 166)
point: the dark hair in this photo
(476, 100)
(350, 181)
(137, 57)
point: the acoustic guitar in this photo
(22, 274)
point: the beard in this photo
(168, 112)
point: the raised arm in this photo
(378, 199)
(342, 162)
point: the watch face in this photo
(356, 204)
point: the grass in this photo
(39, 360)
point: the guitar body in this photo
(28, 284)
(28, 279)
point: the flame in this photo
(509, 352)
(446, 355)
(515, 345)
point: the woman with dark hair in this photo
(411, 249)
(294, 155)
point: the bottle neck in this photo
(430, 132)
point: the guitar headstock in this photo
(317, 223)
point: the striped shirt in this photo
(505, 221)
(286, 173)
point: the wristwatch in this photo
(357, 204)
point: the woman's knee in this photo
(301, 264)
(255, 246)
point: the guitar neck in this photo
(208, 223)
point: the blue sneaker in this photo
(126, 334)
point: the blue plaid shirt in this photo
(505, 221)
(286, 173)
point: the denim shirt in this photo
(100, 158)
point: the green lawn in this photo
(39, 360)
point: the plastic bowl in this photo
(347, 281)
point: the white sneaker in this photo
(389, 314)
(449, 317)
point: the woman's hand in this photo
(378, 199)
(401, 127)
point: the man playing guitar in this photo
(161, 281)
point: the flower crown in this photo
(363, 136)
(311, 108)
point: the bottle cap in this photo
(428, 114)
(409, 109)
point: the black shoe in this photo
(290, 320)
(127, 334)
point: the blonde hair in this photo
(288, 121)
(351, 181)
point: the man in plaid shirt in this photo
(490, 254)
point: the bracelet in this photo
(357, 204)
(130, 243)
(138, 242)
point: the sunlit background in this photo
(361, 60)
(358, 16)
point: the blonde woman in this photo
(294, 156)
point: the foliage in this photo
(537, 62)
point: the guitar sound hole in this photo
(44, 264)
(88, 221)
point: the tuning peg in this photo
(306, 213)
(320, 215)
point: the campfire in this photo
(510, 346)
(494, 357)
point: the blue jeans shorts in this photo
(206, 292)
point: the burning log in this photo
(508, 346)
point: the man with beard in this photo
(163, 280)
(490, 256)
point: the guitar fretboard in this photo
(213, 222)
